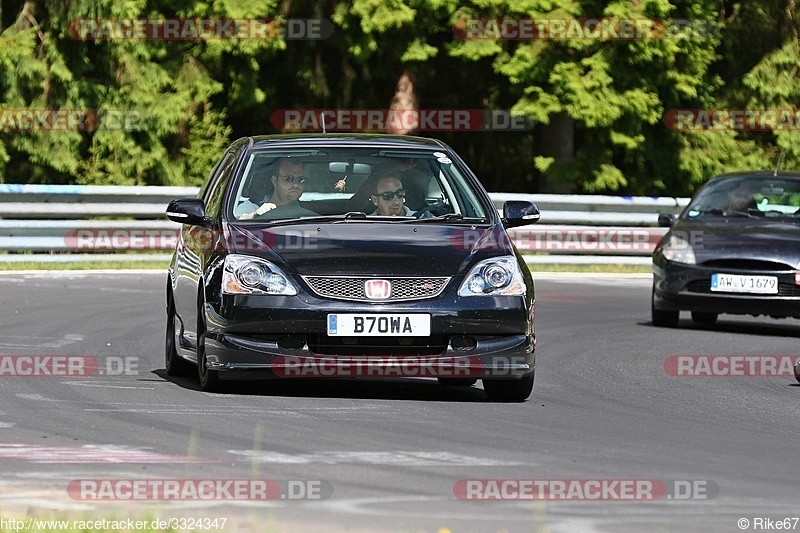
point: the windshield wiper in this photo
(318, 218)
(723, 213)
(448, 216)
(741, 214)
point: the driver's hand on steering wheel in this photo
(260, 211)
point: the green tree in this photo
(166, 86)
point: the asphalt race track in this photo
(394, 454)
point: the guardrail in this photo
(39, 221)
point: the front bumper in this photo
(261, 337)
(495, 357)
(682, 287)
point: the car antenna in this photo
(322, 119)
(780, 156)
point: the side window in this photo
(214, 172)
(216, 190)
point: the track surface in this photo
(391, 451)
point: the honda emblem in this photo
(377, 289)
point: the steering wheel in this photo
(439, 208)
(286, 211)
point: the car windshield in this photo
(347, 183)
(757, 197)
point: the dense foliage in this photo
(601, 106)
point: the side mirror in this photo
(666, 220)
(190, 211)
(517, 213)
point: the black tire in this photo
(797, 371)
(508, 390)
(457, 382)
(707, 319)
(664, 318)
(175, 364)
(209, 379)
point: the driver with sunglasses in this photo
(288, 184)
(389, 197)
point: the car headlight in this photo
(499, 276)
(678, 249)
(243, 274)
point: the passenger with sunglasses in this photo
(390, 197)
(288, 184)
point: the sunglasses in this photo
(292, 179)
(389, 195)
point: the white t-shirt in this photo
(248, 207)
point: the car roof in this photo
(301, 140)
(759, 174)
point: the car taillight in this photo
(797, 277)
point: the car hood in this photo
(370, 248)
(765, 240)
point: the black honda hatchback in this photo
(349, 256)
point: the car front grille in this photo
(748, 264)
(703, 286)
(352, 288)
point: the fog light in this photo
(463, 344)
(293, 342)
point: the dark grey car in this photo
(734, 249)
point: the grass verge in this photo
(85, 265)
(600, 269)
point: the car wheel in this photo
(209, 379)
(457, 382)
(664, 318)
(506, 390)
(175, 364)
(704, 318)
(797, 371)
